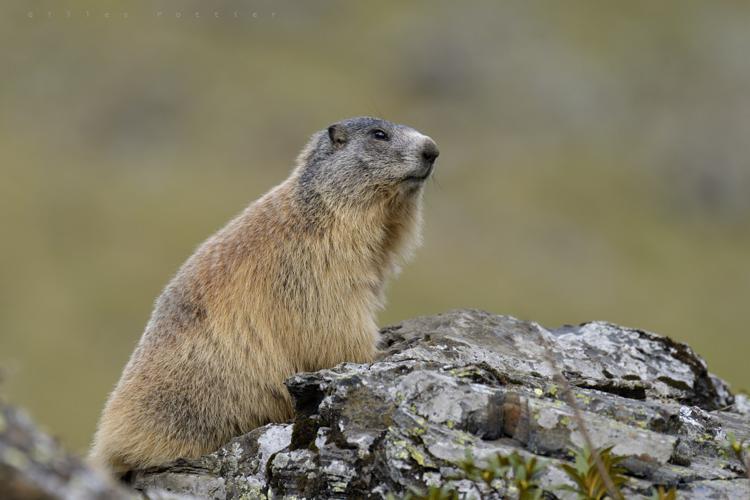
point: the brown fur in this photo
(292, 284)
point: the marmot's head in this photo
(364, 159)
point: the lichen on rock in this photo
(472, 381)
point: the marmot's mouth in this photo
(419, 178)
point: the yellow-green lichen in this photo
(417, 431)
(401, 454)
(416, 455)
(339, 486)
(583, 397)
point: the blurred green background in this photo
(595, 163)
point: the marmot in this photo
(292, 284)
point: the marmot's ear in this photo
(337, 134)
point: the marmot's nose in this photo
(430, 151)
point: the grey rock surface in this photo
(34, 466)
(469, 380)
(464, 380)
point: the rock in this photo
(444, 385)
(33, 466)
(469, 380)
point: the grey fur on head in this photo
(357, 159)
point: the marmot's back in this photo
(291, 284)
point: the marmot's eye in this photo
(379, 134)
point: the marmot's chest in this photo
(332, 286)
